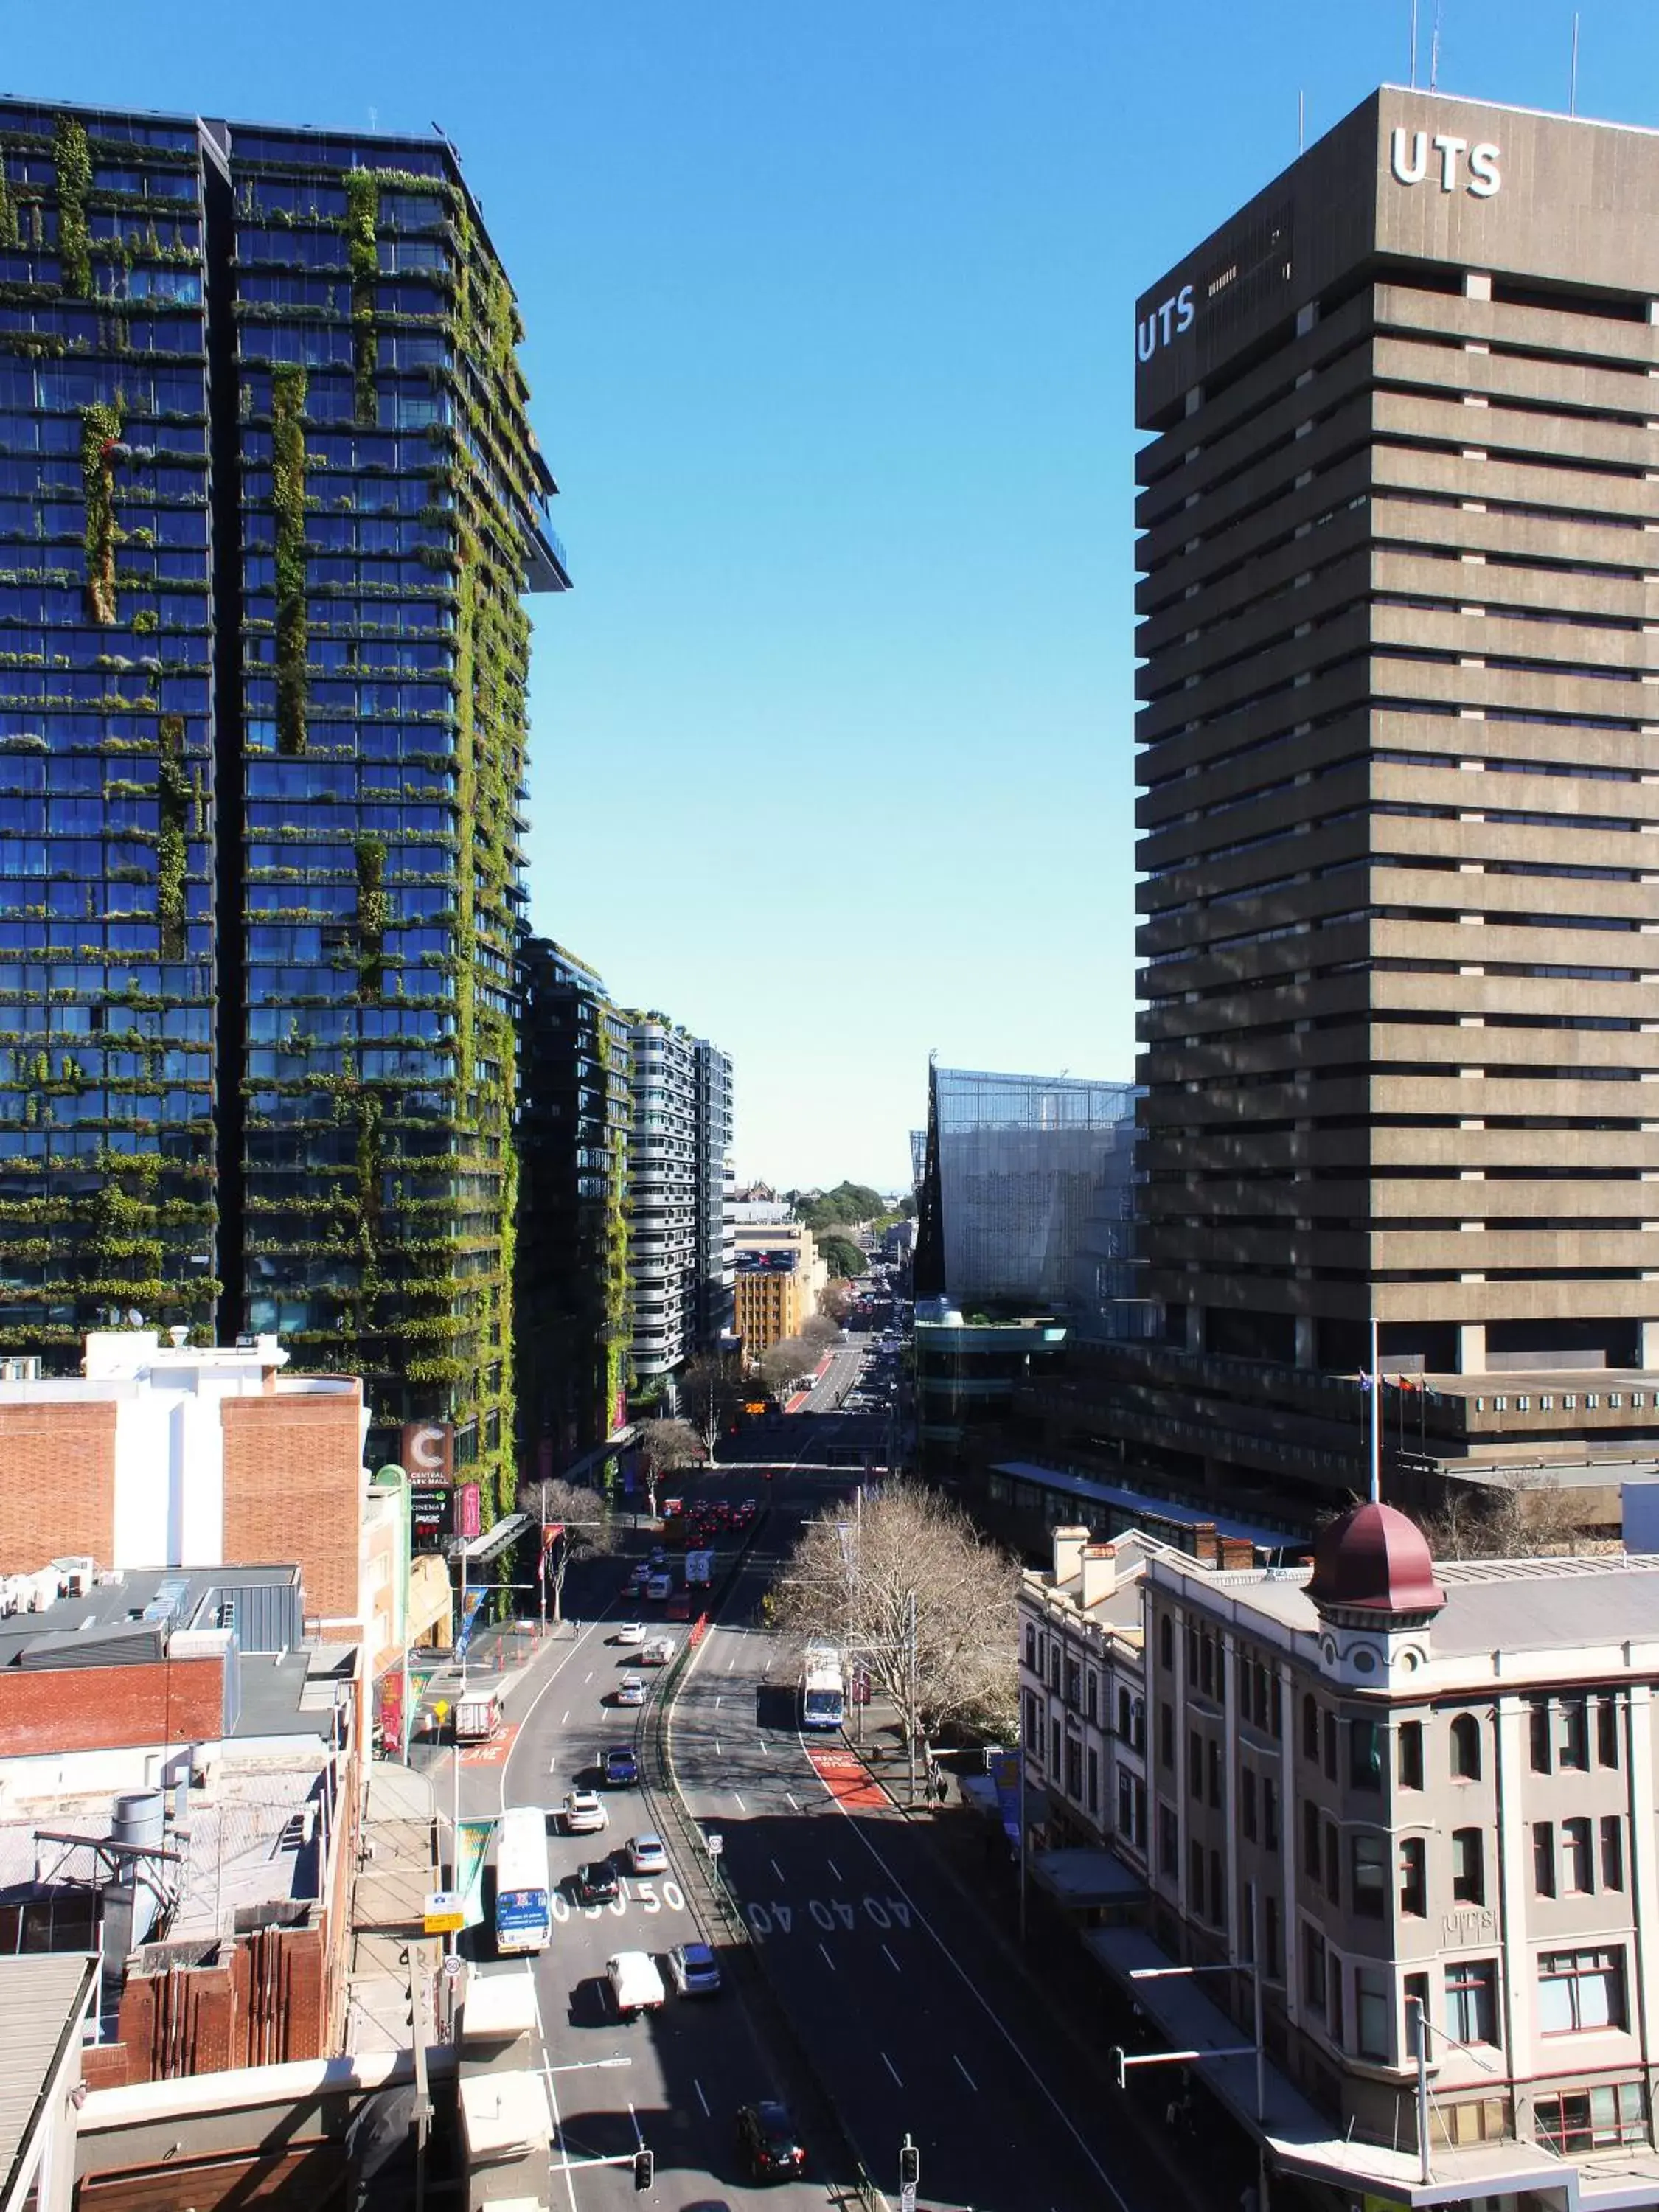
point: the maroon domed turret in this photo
(1372, 1565)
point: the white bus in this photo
(524, 1917)
(822, 1693)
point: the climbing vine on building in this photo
(176, 795)
(288, 492)
(362, 192)
(373, 913)
(73, 158)
(100, 433)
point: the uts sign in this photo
(1408, 158)
(1165, 323)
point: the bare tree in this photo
(835, 1299)
(665, 1446)
(819, 1334)
(711, 1392)
(909, 1589)
(583, 1518)
(1508, 1520)
(781, 1362)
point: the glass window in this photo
(1195, 1764)
(1330, 1746)
(1333, 1864)
(1270, 1812)
(1364, 1755)
(1165, 1641)
(1247, 1801)
(1577, 1873)
(1579, 1989)
(1538, 1730)
(1410, 1754)
(1313, 1967)
(1166, 1736)
(1593, 2119)
(1413, 1878)
(1607, 1731)
(1166, 1840)
(1543, 1858)
(1310, 1847)
(1472, 2000)
(1373, 2004)
(1416, 2009)
(1465, 1748)
(1369, 1866)
(1612, 1852)
(1469, 1866)
(1309, 1729)
(1572, 1739)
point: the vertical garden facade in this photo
(108, 1148)
(329, 729)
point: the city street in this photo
(879, 1963)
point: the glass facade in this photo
(267, 405)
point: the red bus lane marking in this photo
(493, 1754)
(844, 1777)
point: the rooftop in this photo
(43, 1998)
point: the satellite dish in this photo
(134, 1319)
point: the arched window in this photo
(1465, 1748)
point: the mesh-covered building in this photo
(1024, 1192)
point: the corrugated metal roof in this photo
(42, 1995)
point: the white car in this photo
(585, 1812)
(635, 1985)
(658, 1587)
(629, 1631)
(646, 1855)
(630, 1690)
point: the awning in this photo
(1082, 1877)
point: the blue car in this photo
(622, 1769)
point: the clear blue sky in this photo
(830, 328)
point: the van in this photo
(635, 1985)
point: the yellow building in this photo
(779, 1277)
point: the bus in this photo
(699, 1570)
(823, 1695)
(524, 1917)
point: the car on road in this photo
(641, 1576)
(630, 1690)
(583, 1813)
(657, 1555)
(597, 1883)
(658, 1653)
(635, 1985)
(769, 2142)
(645, 1855)
(622, 1769)
(657, 1589)
(629, 1631)
(694, 1970)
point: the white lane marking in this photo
(717, 1704)
(563, 1718)
(831, 1963)
(588, 1676)
(717, 1747)
(766, 1749)
(732, 1663)
(891, 1961)
(833, 1867)
(794, 1802)
(983, 2001)
(966, 2076)
(892, 2068)
(777, 1870)
(742, 1808)
(703, 2100)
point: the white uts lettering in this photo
(1411, 166)
(1169, 320)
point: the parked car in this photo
(629, 1631)
(622, 1769)
(645, 1855)
(630, 1690)
(768, 2142)
(583, 1813)
(694, 1970)
(635, 1985)
(597, 1883)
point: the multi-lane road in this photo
(895, 1998)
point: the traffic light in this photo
(645, 2167)
(909, 2165)
(1119, 2073)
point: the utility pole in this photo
(455, 1749)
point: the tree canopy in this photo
(840, 1255)
(847, 1205)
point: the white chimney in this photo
(1099, 1571)
(1070, 1545)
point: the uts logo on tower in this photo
(1484, 182)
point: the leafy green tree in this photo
(840, 1255)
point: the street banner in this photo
(471, 1850)
(1005, 1772)
(392, 1714)
(475, 1598)
(551, 1532)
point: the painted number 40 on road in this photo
(778, 1918)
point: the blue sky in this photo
(830, 330)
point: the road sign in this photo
(444, 1913)
(907, 2197)
(716, 1844)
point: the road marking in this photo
(834, 1868)
(717, 1705)
(965, 2075)
(742, 1808)
(794, 1802)
(563, 1719)
(891, 1961)
(588, 1676)
(703, 2100)
(777, 1870)
(717, 1747)
(831, 1963)
(985, 2004)
(766, 1749)
(892, 2068)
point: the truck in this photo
(477, 1716)
(699, 1570)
